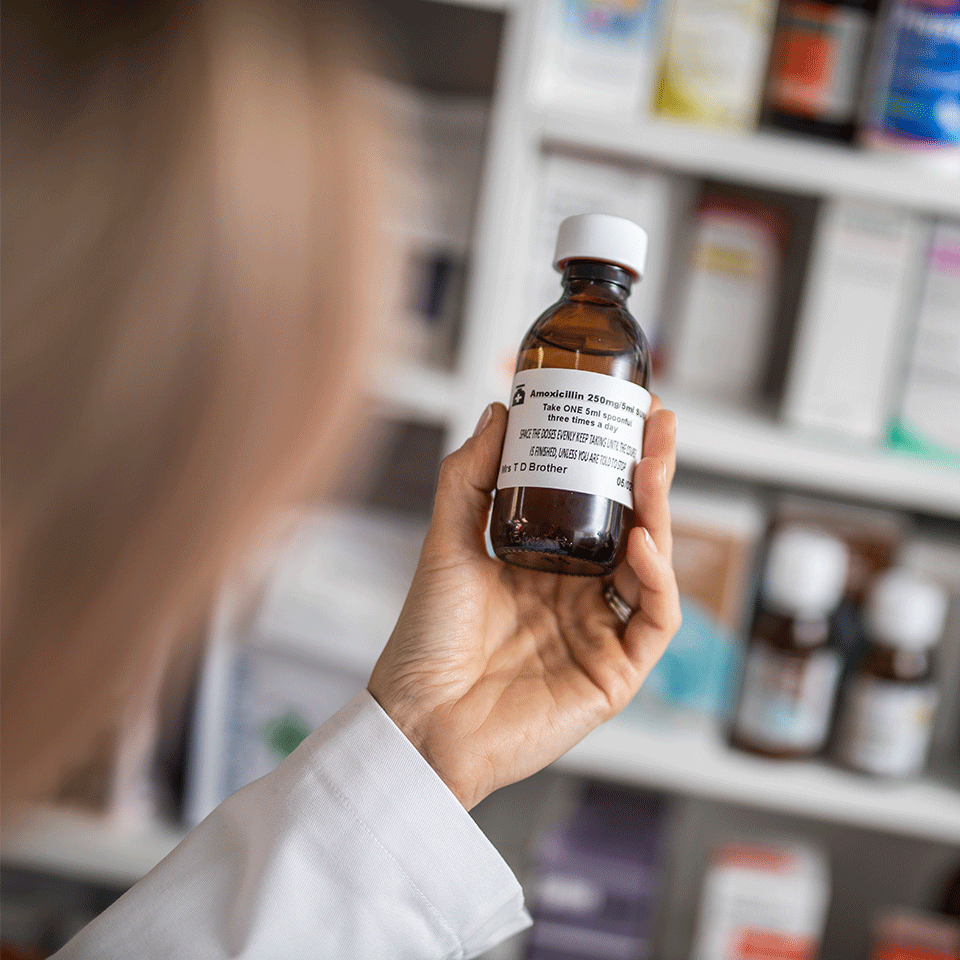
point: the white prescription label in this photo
(887, 726)
(574, 430)
(787, 699)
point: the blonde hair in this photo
(189, 236)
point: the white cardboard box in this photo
(571, 185)
(927, 422)
(848, 353)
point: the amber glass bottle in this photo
(578, 404)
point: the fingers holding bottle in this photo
(647, 568)
(651, 486)
(467, 479)
(646, 580)
(660, 437)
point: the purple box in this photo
(596, 878)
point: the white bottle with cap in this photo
(578, 403)
(887, 714)
(792, 667)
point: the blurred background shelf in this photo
(751, 446)
(765, 159)
(417, 391)
(91, 848)
(737, 443)
(701, 766)
(84, 846)
(488, 166)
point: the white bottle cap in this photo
(599, 236)
(805, 573)
(905, 611)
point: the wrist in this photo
(414, 724)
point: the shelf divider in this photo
(704, 766)
(73, 843)
(751, 446)
(777, 160)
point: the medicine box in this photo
(847, 356)
(596, 878)
(927, 423)
(597, 55)
(720, 338)
(763, 900)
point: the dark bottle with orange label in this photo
(817, 66)
(564, 500)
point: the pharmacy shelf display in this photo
(721, 440)
(703, 766)
(87, 847)
(734, 443)
(523, 130)
(778, 161)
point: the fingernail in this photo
(663, 471)
(649, 539)
(485, 418)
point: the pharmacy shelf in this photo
(703, 766)
(737, 443)
(87, 847)
(793, 164)
(415, 390)
(431, 238)
(752, 447)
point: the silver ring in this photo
(622, 610)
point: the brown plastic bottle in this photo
(792, 664)
(886, 720)
(578, 404)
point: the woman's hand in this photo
(494, 671)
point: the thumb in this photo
(467, 478)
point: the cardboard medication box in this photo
(927, 421)
(847, 355)
(596, 878)
(763, 900)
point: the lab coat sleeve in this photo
(352, 848)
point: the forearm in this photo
(352, 847)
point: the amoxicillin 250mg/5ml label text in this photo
(574, 430)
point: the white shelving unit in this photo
(702, 766)
(418, 392)
(80, 845)
(731, 443)
(752, 447)
(779, 161)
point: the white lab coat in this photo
(352, 848)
